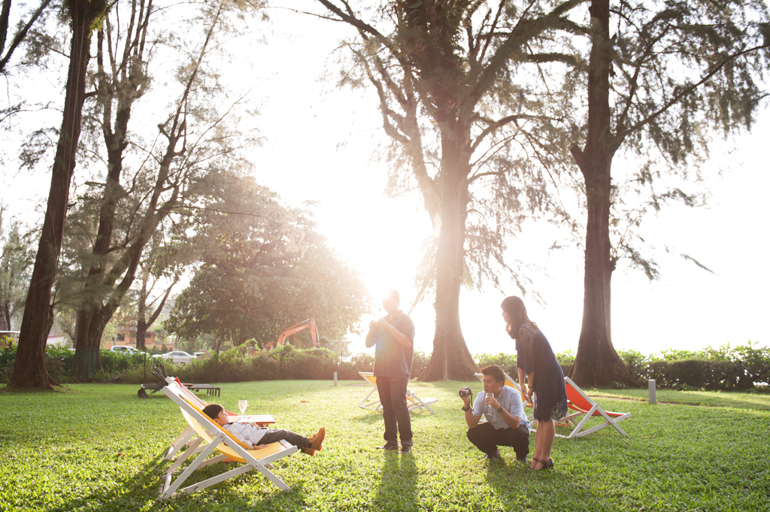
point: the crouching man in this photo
(506, 424)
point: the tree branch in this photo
(21, 34)
(620, 136)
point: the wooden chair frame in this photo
(185, 438)
(413, 402)
(584, 406)
(213, 437)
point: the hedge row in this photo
(59, 362)
(286, 362)
(726, 369)
(508, 362)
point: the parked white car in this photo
(125, 350)
(176, 357)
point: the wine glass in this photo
(488, 408)
(242, 404)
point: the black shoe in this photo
(406, 449)
(388, 446)
(494, 456)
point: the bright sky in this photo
(688, 308)
(321, 146)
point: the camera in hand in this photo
(465, 392)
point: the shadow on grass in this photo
(518, 488)
(398, 483)
(141, 490)
(125, 493)
(376, 417)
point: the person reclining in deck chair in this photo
(256, 437)
(506, 424)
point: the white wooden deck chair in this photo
(584, 406)
(185, 438)
(213, 437)
(414, 402)
(373, 404)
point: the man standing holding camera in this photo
(506, 424)
(393, 337)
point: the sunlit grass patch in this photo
(99, 447)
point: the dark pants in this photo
(487, 438)
(271, 436)
(395, 412)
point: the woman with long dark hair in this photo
(536, 363)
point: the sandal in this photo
(546, 464)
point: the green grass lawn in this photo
(99, 447)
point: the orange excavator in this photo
(306, 324)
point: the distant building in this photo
(57, 338)
(126, 335)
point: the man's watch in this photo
(467, 407)
(500, 410)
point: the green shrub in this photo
(636, 363)
(678, 355)
(7, 343)
(419, 362)
(285, 363)
(7, 360)
(504, 360)
(727, 368)
(265, 367)
(363, 362)
(724, 368)
(312, 363)
(756, 362)
(347, 370)
(565, 358)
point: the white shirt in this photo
(510, 400)
(246, 433)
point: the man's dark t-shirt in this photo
(392, 359)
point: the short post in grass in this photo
(651, 388)
(335, 378)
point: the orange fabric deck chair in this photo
(584, 406)
(212, 437)
(413, 402)
(185, 438)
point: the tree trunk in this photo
(597, 363)
(451, 359)
(88, 338)
(143, 323)
(90, 308)
(141, 310)
(141, 329)
(5, 317)
(29, 370)
(96, 316)
(91, 311)
(101, 312)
